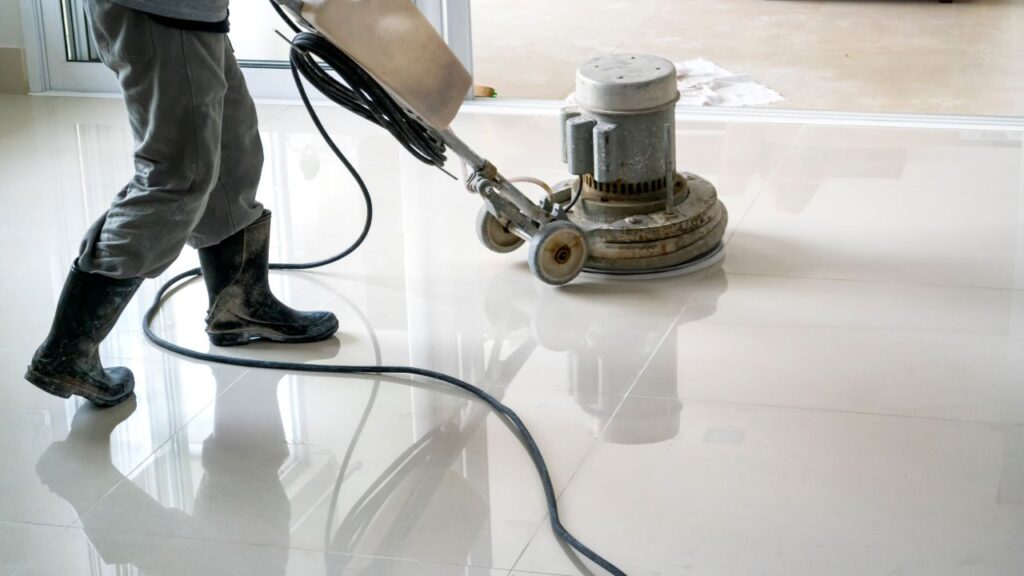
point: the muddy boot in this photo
(68, 362)
(242, 308)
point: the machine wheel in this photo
(558, 252)
(494, 235)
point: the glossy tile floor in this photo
(843, 396)
(905, 56)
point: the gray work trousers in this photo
(198, 154)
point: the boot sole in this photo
(47, 385)
(232, 339)
(62, 389)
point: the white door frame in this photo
(35, 50)
(50, 71)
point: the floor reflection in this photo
(276, 469)
(579, 325)
(240, 491)
(427, 499)
(431, 493)
(239, 497)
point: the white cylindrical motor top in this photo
(626, 83)
(619, 135)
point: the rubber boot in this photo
(242, 308)
(68, 362)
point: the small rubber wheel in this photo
(494, 235)
(558, 252)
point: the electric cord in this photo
(535, 181)
(362, 95)
(576, 195)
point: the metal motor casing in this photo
(618, 138)
(620, 135)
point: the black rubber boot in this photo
(68, 362)
(242, 308)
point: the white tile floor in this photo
(845, 395)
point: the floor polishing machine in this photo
(627, 210)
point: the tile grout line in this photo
(768, 182)
(661, 342)
(876, 281)
(284, 109)
(940, 121)
(546, 518)
(532, 573)
(289, 547)
(622, 401)
(962, 65)
(972, 39)
(31, 523)
(840, 411)
(650, 359)
(157, 449)
(28, 563)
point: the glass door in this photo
(70, 61)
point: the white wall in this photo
(10, 24)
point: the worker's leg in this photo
(80, 470)
(233, 237)
(174, 88)
(232, 202)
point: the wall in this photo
(13, 74)
(10, 24)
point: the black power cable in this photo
(360, 93)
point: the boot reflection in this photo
(79, 470)
(240, 497)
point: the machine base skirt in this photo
(704, 262)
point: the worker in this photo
(198, 159)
